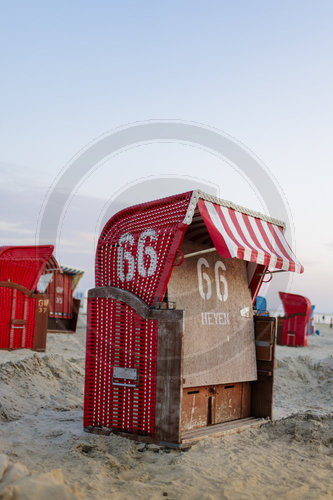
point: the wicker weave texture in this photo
(295, 331)
(24, 265)
(137, 247)
(14, 305)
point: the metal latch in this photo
(18, 323)
(125, 374)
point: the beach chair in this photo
(23, 310)
(174, 352)
(311, 327)
(295, 324)
(64, 308)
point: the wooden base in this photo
(40, 349)
(65, 325)
(189, 438)
(61, 331)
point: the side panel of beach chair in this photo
(121, 367)
(61, 296)
(133, 367)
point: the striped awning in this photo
(240, 235)
(73, 271)
(52, 265)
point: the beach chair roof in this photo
(146, 238)
(75, 272)
(293, 303)
(24, 264)
(53, 266)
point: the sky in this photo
(260, 72)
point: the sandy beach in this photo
(46, 454)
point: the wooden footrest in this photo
(223, 429)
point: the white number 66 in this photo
(219, 279)
(143, 250)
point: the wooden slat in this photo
(212, 429)
(139, 306)
(295, 315)
(279, 332)
(228, 402)
(110, 292)
(264, 331)
(21, 288)
(169, 379)
(263, 388)
(246, 400)
(195, 408)
(264, 353)
(42, 312)
(224, 429)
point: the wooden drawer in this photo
(209, 405)
(194, 408)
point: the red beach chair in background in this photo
(293, 328)
(23, 311)
(64, 308)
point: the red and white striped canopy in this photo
(236, 234)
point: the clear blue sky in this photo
(260, 71)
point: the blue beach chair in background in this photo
(310, 322)
(312, 331)
(261, 306)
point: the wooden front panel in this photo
(219, 343)
(279, 331)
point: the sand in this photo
(46, 454)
